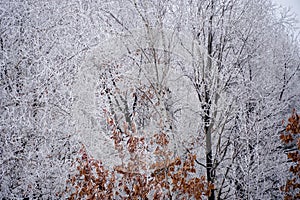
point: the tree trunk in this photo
(207, 105)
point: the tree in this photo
(231, 91)
(237, 91)
(136, 177)
(42, 45)
(291, 138)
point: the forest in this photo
(149, 99)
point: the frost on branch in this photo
(291, 137)
(137, 177)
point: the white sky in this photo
(293, 4)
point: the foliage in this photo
(291, 137)
(137, 178)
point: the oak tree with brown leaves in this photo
(291, 137)
(136, 177)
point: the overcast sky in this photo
(293, 4)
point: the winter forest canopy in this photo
(142, 99)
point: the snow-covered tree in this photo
(42, 44)
(217, 76)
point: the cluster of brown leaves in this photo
(135, 178)
(292, 136)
